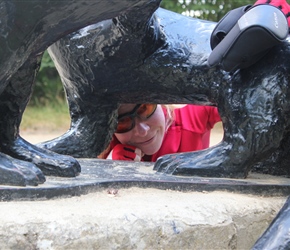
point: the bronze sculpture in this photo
(135, 52)
(27, 28)
(151, 58)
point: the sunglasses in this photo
(126, 121)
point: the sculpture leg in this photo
(86, 136)
(277, 235)
(12, 104)
(278, 162)
(212, 162)
(250, 133)
(233, 157)
(229, 158)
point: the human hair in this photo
(169, 117)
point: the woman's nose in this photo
(141, 128)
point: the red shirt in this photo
(190, 131)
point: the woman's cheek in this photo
(124, 138)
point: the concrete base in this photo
(117, 205)
(138, 218)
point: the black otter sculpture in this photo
(27, 28)
(160, 56)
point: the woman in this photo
(148, 131)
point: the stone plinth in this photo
(138, 218)
(125, 214)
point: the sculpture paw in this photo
(212, 162)
(60, 165)
(48, 162)
(19, 173)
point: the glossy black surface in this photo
(27, 28)
(98, 175)
(277, 235)
(133, 58)
(130, 54)
(162, 57)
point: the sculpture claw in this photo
(212, 162)
(19, 173)
(48, 162)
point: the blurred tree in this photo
(212, 10)
(48, 89)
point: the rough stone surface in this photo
(137, 218)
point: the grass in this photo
(45, 118)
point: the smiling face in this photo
(147, 135)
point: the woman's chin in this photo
(150, 150)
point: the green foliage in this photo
(212, 10)
(48, 89)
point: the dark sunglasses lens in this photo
(124, 124)
(146, 110)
